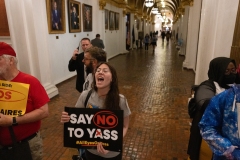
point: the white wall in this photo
(213, 37)
(193, 36)
(46, 57)
(183, 27)
(216, 33)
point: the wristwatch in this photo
(14, 123)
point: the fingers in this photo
(74, 54)
(100, 148)
(65, 117)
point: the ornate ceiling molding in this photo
(137, 7)
(102, 4)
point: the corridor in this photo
(156, 87)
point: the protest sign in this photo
(13, 98)
(87, 127)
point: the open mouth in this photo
(100, 79)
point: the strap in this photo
(86, 100)
(12, 135)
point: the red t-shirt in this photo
(37, 97)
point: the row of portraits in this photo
(56, 16)
(111, 20)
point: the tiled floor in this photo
(157, 88)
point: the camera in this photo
(76, 55)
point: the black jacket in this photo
(203, 95)
(78, 65)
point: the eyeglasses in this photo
(86, 59)
(228, 71)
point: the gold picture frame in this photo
(56, 16)
(74, 16)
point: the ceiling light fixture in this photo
(149, 3)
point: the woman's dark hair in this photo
(112, 98)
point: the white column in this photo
(28, 37)
(122, 32)
(216, 33)
(183, 30)
(192, 36)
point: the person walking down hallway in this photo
(168, 36)
(154, 42)
(146, 41)
(163, 34)
(98, 42)
(221, 73)
(76, 64)
(25, 126)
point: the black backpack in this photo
(192, 104)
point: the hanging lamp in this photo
(149, 3)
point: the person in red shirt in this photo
(26, 127)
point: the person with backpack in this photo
(104, 95)
(221, 74)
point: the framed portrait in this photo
(74, 20)
(111, 20)
(87, 17)
(56, 16)
(116, 21)
(106, 19)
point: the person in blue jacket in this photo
(220, 124)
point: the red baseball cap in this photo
(6, 49)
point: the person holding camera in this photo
(76, 64)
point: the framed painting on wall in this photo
(111, 20)
(106, 19)
(56, 16)
(116, 21)
(87, 17)
(74, 20)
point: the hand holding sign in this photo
(100, 148)
(65, 117)
(13, 98)
(5, 120)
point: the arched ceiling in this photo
(175, 7)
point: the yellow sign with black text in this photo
(13, 98)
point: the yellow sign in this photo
(13, 98)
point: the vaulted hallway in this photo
(156, 87)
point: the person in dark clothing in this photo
(98, 42)
(219, 80)
(168, 36)
(163, 34)
(151, 34)
(76, 64)
(146, 41)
